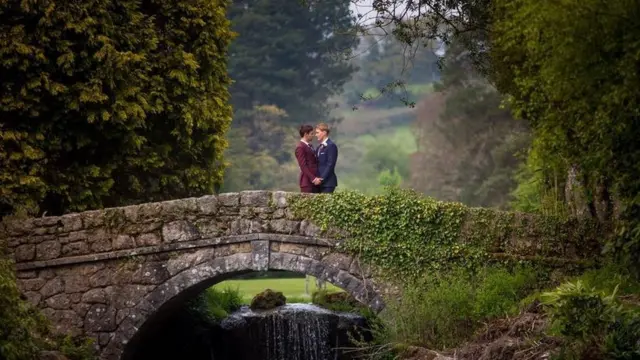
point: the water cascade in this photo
(290, 332)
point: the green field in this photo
(293, 289)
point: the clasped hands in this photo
(317, 181)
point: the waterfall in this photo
(291, 332)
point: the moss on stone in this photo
(268, 300)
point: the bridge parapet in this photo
(151, 228)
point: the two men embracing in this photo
(317, 166)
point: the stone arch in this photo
(193, 280)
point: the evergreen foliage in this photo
(298, 65)
(107, 103)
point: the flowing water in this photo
(290, 332)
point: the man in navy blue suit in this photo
(327, 154)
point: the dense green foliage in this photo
(406, 234)
(595, 322)
(107, 104)
(19, 323)
(576, 83)
(449, 307)
(24, 332)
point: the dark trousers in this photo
(327, 190)
(310, 189)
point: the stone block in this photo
(102, 278)
(283, 226)
(178, 231)
(59, 302)
(208, 228)
(178, 209)
(66, 322)
(148, 239)
(52, 287)
(76, 283)
(185, 261)
(69, 223)
(229, 200)
(76, 248)
(260, 255)
(279, 199)
(126, 296)
(47, 221)
(151, 274)
(31, 284)
(308, 228)
(48, 250)
(25, 253)
(338, 261)
(93, 219)
(207, 205)
(123, 242)
(95, 296)
(100, 318)
(256, 198)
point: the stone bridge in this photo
(104, 273)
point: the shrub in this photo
(593, 322)
(444, 311)
(220, 303)
(24, 332)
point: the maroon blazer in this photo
(308, 164)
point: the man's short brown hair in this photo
(305, 129)
(323, 127)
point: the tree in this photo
(467, 144)
(576, 82)
(261, 153)
(105, 104)
(290, 55)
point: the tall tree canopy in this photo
(107, 103)
(578, 84)
(289, 54)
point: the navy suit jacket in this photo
(327, 158)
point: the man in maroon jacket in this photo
(307, 161)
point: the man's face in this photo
(308, 137)
(321, 135)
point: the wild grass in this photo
(446, 310)
(294, 289)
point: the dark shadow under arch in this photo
(192, 281)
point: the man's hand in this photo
(317, 181)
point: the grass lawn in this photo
(293, 289)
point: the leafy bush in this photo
(24, 332)
(20, 325)
(594, 322)
(445, 311)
